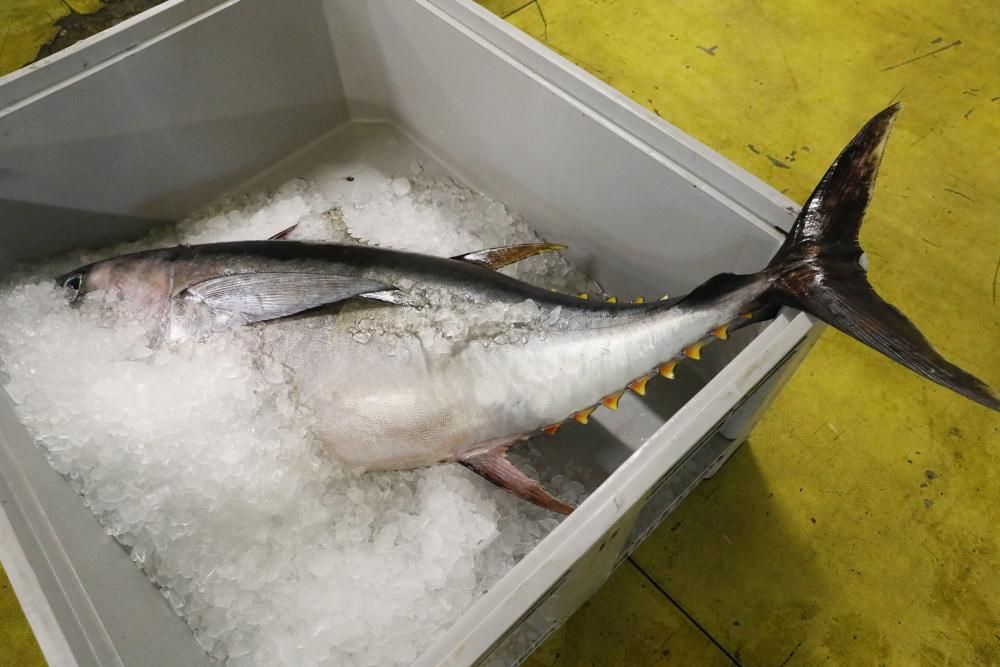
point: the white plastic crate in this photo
(193, 99)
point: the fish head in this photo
(141, 276)
(136, 285)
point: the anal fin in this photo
(494, 465)
(496, 258)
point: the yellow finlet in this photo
(722, 333)
(664, 297)
(612, 299)
(583, 416)
(611, 400)
(639, 299)
(583, 295)
(667, 369)
(639, 385)
(747, 315)
(552, 428)
(693, 351)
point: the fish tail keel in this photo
(817, 269)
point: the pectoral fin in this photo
(494, 465)
(257, 297)
(495, 258)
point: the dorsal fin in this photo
(495, 258)
(283, 234)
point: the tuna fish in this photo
(346, 322)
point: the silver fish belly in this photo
(390, 401)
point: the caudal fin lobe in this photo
(817, 267)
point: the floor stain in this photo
(957, 42)
(778, 163)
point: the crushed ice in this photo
(198, 459)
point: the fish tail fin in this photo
(817, 269)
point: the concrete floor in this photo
(858, 526)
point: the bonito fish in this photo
(341, 319)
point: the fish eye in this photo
(71, 286)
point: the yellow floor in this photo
(18, 647)
(27, 25)
(859, 526)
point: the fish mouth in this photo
(72, 283)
